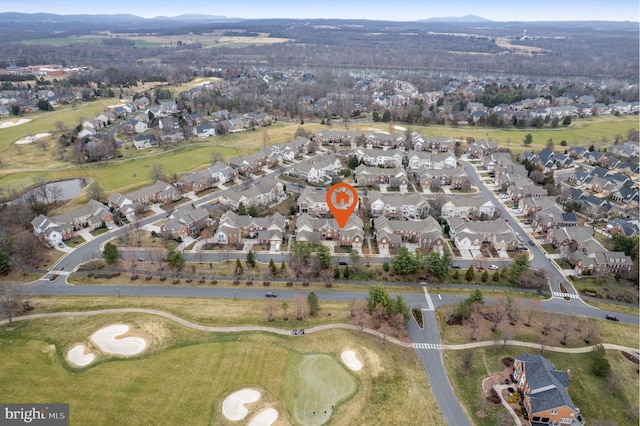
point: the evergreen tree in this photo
(251, 259)
(110, 254)
(469, 274)
(314, 305)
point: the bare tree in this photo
(498, 311)
(531, 308)
(96, 192)
(466, 362)
(591, 330)
(379, 314)
(475, 319)
(13, 300)
(269, 309)
(566, 328)
(27, 248)
(546, 321)
(43, 143)
(360, 313)
(55, 193)
(299, 305)
(157, 171)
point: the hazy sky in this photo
(393, 10)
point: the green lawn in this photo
(184, 375)
(597, 403)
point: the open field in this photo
(588, 392)
(19, 169)
(184, 375)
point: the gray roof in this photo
(547, 385)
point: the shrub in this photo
(385, 266)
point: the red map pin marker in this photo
(343, 203)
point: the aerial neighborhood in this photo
(274, 221)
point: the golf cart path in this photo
(234, 329)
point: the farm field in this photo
(184, 375)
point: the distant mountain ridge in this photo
(115, 18)
(466, 18)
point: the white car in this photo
(494, 267)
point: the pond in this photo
(55, 191)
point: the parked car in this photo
(494, 267)
(343, 262)
(456, 267)
(531, 243)
(141, 259)
(612, 317)
(272, 294)
(61, 245)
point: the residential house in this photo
(53, 230)
(206, 178)
(468, 208)
(481, 148)
(532, 205)
(409, 206)
(221, 115)
(377, 157)
(314, 203)
(315, 230)
(159, 192)
(455, 178)
(518, 192)
(375, 176)
(552, 217)
(384, 140)
(234, 125)
(331, 137)
(249, 163)
(204, 130)
(437, 143)
(292, 150)
(193, 119)
(627, 150)
(470, 235)
(426, 233)
(168, 123)
(627, 227)
(544, 391)
(429, 160)
(168, 108)
(265, 192)
(185, 221)
(145, 141)
(233, 228)
(134, 126)
(172, 136)
(317, 170)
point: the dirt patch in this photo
(507, 361)
(481, 414)
(630, 357)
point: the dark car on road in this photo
(456, 267)
(531, 243)
(272, 294)
(612, 317)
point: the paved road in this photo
(540, 260)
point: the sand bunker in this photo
(14, 123)
(30, 139)
(233, 406)
(77, 356)
(106, 340)
(265, 418)
(349, 358)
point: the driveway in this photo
(86, 234)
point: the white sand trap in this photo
(349, 358)
(265, 418)
(402, 129)
(77, 356)
(30, 139)
(105, 338)
(233, 406)
(14, 123)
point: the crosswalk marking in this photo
(64, 273)
(435, 346)
(562, 295)
(429, 301)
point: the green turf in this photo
(587, 391)
(319, 383)
(184, 375)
